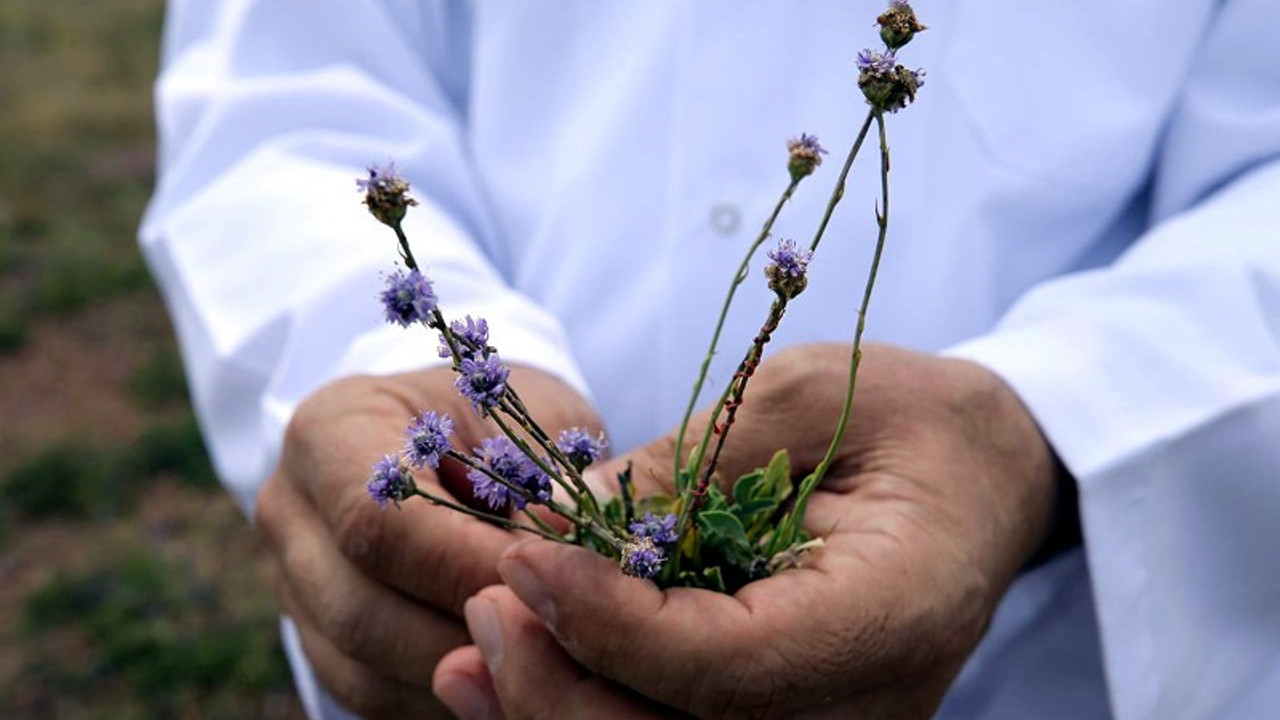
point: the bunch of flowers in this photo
(702, 535)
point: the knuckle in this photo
(359, 529)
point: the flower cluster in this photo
(472, 336)
(507, 475)
(408, 298)
(642, 558)
(482, 379)
(898, 24)
(581, 449)
(386, 194)
(660, 529)
(885, 84)
(787, 273)
(427, 439)
(804, 155)
(391, 481)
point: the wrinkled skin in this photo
(377, 595)
(942, 490)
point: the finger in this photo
(532, 677)
(463, 684)
(698, 650)
(365, 620)
(431, 553)
(360, 688)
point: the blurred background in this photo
(130, 586)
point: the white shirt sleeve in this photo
(1157, 380)
(267, 111)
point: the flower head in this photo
(898, 24)
(482, 380)
(385, 193)
(471, 335)
(522, 481)
(408, 298)
(642, 558)
(884, 83)
(660, 529)
(805, 154)
(581, 449)
(427, 439)
(787, 272)
(391, 480)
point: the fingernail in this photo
(526, 585)
(468, 700)
(486, 630)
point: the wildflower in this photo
(391, 480)
(482, 380)
(898, 24)
(805, 155)
(871, 61)
(472, 337)
(408, 298)
(581, 449)
(386, 194)
(660, 529)
(885, 84)
(786, 273)
(642, 559)
(505, 460)
(427, 439)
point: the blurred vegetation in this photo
(129, 585)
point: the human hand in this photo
(377, 595)
(941, 491)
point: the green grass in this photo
(154, 627)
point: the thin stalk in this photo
(738, 278)
(495, 519)
(882, 219)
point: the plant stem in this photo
(495, 519)
(882, 219)
(738, 278)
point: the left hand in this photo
(941, 491)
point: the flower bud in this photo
(885, 84)
(805, 155)
(386, 194)
(898, 24)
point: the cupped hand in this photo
(940, 492)
(377, 594)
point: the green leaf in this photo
(746, 487)
(714, 579)
(723, 529)
(777, 478)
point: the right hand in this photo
(377, 594)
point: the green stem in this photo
(882, 219)
(738, 278)
(494, 519)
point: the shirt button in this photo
(725, 218)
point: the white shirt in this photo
(1086, 199)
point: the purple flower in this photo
(472, 337)
(789, 261)
(386, 194)
(805, 155)
(661, 530)
(380, 179)
(581, 449)
(505, 460)
(391, 480)
(786, 273)
(427, 439)
(482, 380)
(876, 63)
(408, 298)
(642, 559)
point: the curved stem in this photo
(882, 218)
(738, 279)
